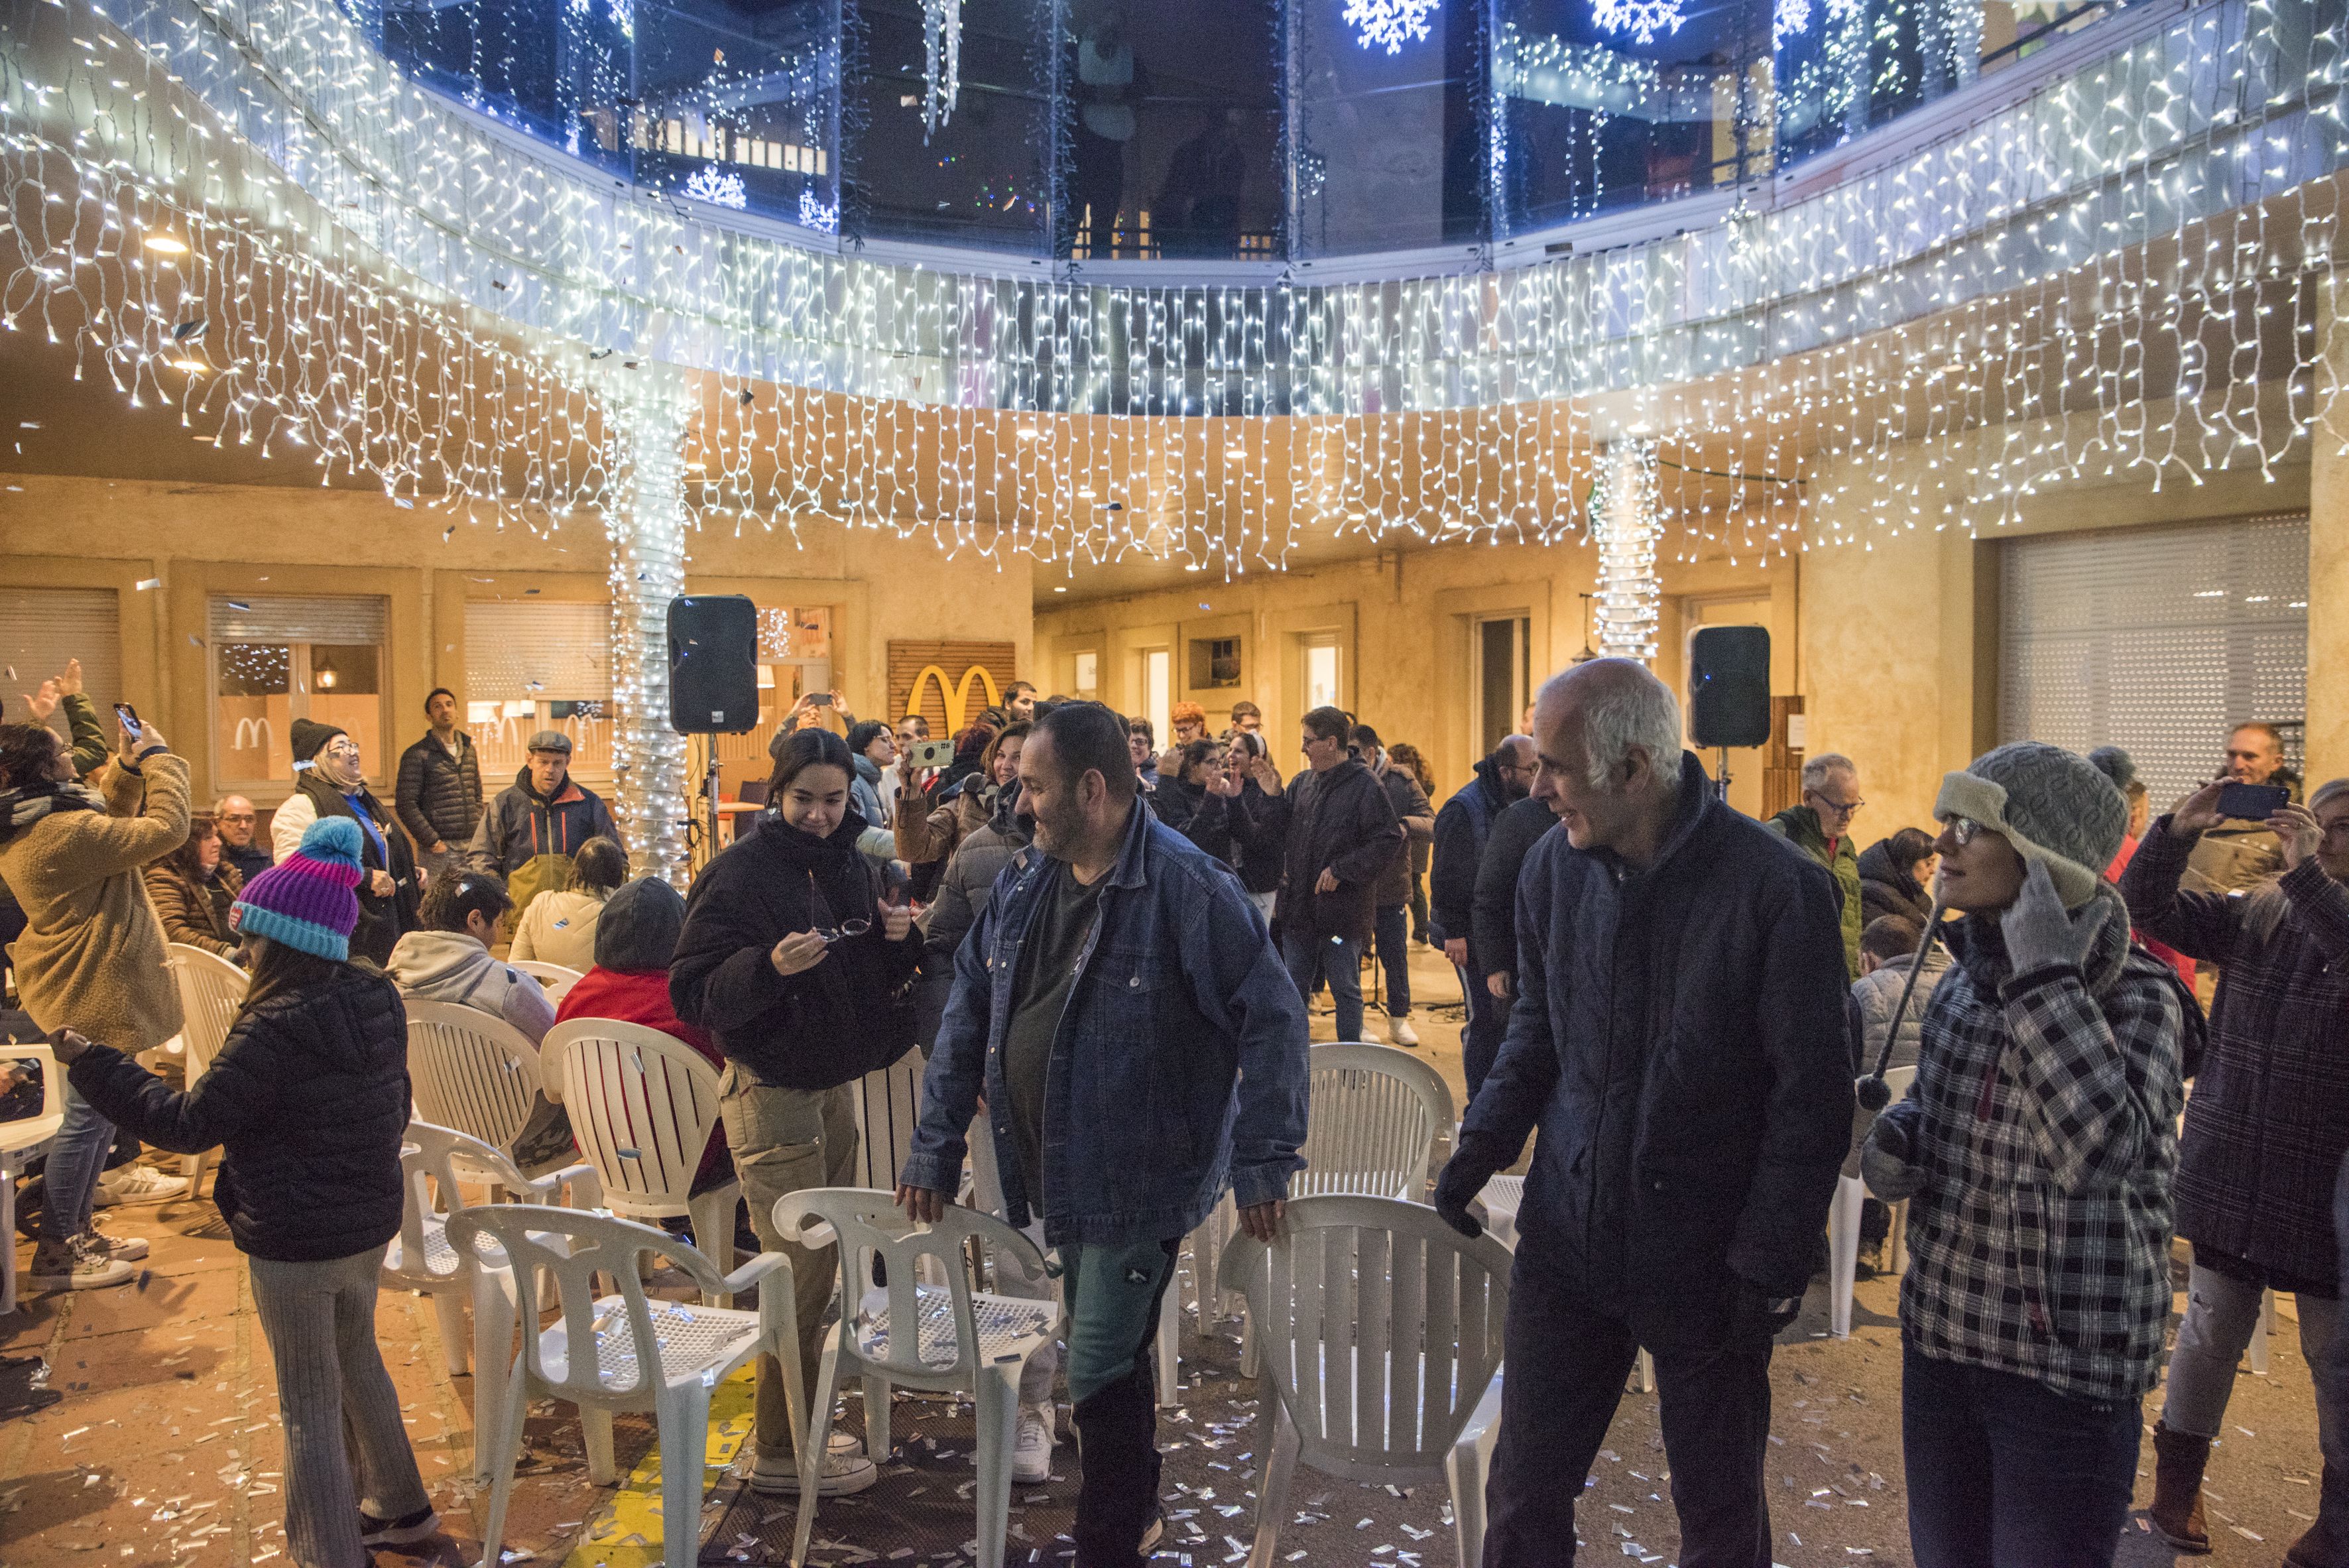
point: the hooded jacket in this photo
(1338, 822)
(1888, 889)
(451, 967)
(559, 928)
(1409, 803)
(530, 840)
(963, 893)
(307, 1098)
(439, 793)
(1460, 832)
(195, 911)
(383, 917)
(1678, 1037)
(1799, 826)
(848, 1015)
(92, 955)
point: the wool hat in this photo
(2053, 806)
(2116, 765)
(550, 740)
(305, 901)
(310, 738)
(640, 926)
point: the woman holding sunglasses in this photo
(799, 957)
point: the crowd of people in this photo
(1108, 953)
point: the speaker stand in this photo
(1721, 774)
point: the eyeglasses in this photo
(240, 816)
(1963, 831)
(1837, 807)
(846, 928)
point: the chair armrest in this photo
(1484, 1422)
(587, 1188)
(751, 1272)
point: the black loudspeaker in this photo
(713, 664)
(1729, 686)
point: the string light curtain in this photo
(651, 408)
(1628, 524)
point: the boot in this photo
(2325, 1543)
(2178, 1459)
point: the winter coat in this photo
(252, 859)
(438, 795)
(195, 911)
(1409, 803)
(1799, 825)
(308, 1098)
(1178, 1071)
(92, 955)
(2039, 1242)
(1678, 1037)
(1259, 838)
(530, 840)
(1874, 998)
(1493, 937)
(864, 791)
(1888, 889)
(963, 896)
(452, 966)
(383, 918)
(1461, 829)
(2153, 944)
(1338, 822)
(1192, 810)
(928, 832)
(832, 1024)
(641, 997)
(559, 928)
(2269, 1120)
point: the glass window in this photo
(1321, 676)
(1389, 120)
(1158, 692)
(277, 660)
(794, 659)
(533, 664)
(736, 108)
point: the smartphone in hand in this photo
(129, 718)
(2252, 802)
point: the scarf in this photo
(20, 809)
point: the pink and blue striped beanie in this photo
(305, 901)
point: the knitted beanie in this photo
(310, 738)
(2116, 765)
(306, 900)
(2053, 806)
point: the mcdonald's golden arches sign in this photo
(948, 683)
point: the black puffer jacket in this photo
(832, 1024)
(307, 1099)
(1337, 821)
(439, 797)
(1679, 1038)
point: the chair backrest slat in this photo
(643, 1105)
(211, 989)
(888, 1102)
(1372, 1122)
(470, 1071)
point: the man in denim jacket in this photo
(1140, 1048)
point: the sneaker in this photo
(75, 1264)
(1031, 1452)
(1400, 1032)
(129, 1249)
(138, 1184)
(843, 1474)
(406, 1530)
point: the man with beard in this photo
(1461, 829)
(1115, 992)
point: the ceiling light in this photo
(167, 245)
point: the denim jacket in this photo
(1179, 1067)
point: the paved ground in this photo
(139, 1427)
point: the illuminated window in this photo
(276, 660)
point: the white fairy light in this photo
(1642, 19)
(1387, 24)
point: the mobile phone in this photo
(2252, 802)
(129, 718)
(931, 753)
(820, 699)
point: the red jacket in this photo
(641, 997)
(2163, 951)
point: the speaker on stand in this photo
(713, 681)
(1729, 691)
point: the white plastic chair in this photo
(964, 1339)
(888, 1108)
(1843, 1226)
(421, 1257)
(593, 1353)
(212, 989)
(1380, 1330)
(557, 978)
(1503, 1196)
(470, 1071)
(18, 1140)
(643, 1107)
(1372, 1122)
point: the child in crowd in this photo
(308, 1097)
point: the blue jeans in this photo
(77, 1160)
(1393, 936)
(1337, 959)
(2005, 1473)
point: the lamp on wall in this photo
(1589, 653)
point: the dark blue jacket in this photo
(1460, 831)
(1678, 1036)
(1180, 1065)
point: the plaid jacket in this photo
(2040, 1241)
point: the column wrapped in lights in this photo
(1628, 524)
(649, 409)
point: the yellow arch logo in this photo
(956, 701)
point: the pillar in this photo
(2328, 557)
(1628, 524)
(648, 409)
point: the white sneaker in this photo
(1370, 1034)
(842, 1474)
(138, 1184)
(1031, 1451)
(75, 1264)
(129, 1249)
(1400, 1032)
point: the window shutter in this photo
(285, 618)
(41, 628)
(553, 652)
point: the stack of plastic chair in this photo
(627, 1352)
(1843, 1227)
(888, 1108)
(556, 978)
(19, 1141)
(212, 989)
(643, 1105)
(423, 1259)
(943, 1337)
(1380, 1327)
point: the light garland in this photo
(651, 410)
(1627, 522)
(942, 64)
(1644, 20)
(1387, 24)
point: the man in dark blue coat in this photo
(1461, 829)
(1678, 1037)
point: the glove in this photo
(1888, 1160)
(1477, 1159)
(1761, 1308)
(2039, 934)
